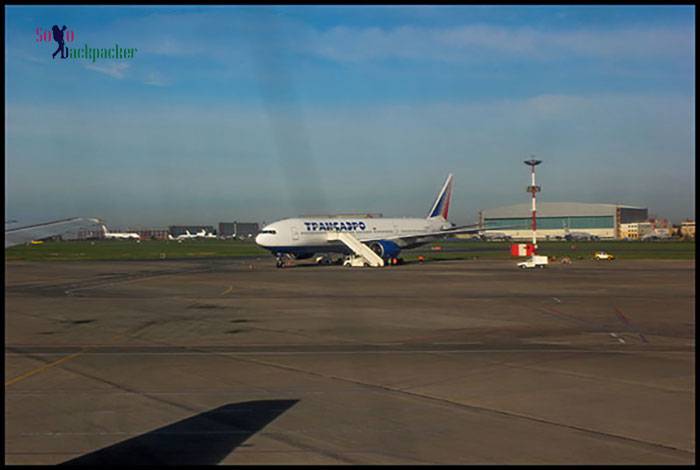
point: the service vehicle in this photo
(536, 261)
(603, 256)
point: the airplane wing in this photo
(426, 237)
(473, 229)
(19, 235)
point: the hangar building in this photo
(556, 219)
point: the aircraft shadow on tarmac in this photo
(205, 439)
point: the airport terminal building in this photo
(556, 219)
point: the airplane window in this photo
(271, 232)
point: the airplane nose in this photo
(259, 238)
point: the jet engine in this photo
(385, 249)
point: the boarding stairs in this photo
(359, 248)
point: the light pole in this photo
(533, 189)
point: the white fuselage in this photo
(579, 236)
(494, 236)
(123, 236)
(366, 236)
(188, 236)
(309, 234)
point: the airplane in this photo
(201, 234)
(204, 234)
(578, 236)
(187, 235)
(303, 237)
(120, 235)
(656, 236)
(182, 236)
(54, 228)
(495, 236)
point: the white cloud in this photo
(596, 148)
(155, 79)
(475, 41)
(33, 59)
(221, 36)
(114, 69)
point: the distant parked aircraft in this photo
(189, 236)
(495, 236)
(656, 236)
(578, 236)
(120, 235)
(204, 234)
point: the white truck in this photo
(536, 261)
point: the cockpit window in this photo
(271, 232)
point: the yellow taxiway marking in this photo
(52, 364)
(230, 288)
(43, 368)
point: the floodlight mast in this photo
(533, 189)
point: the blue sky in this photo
(258, 113)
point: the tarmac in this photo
(454, 362)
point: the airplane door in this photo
(295, 233)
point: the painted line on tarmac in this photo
(614, 335)
(230, 288)
(83, 351)
(621, 316)
(133, 278)
(480, 408)
(43, 368)
(561, 315)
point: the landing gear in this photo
(280, 262)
